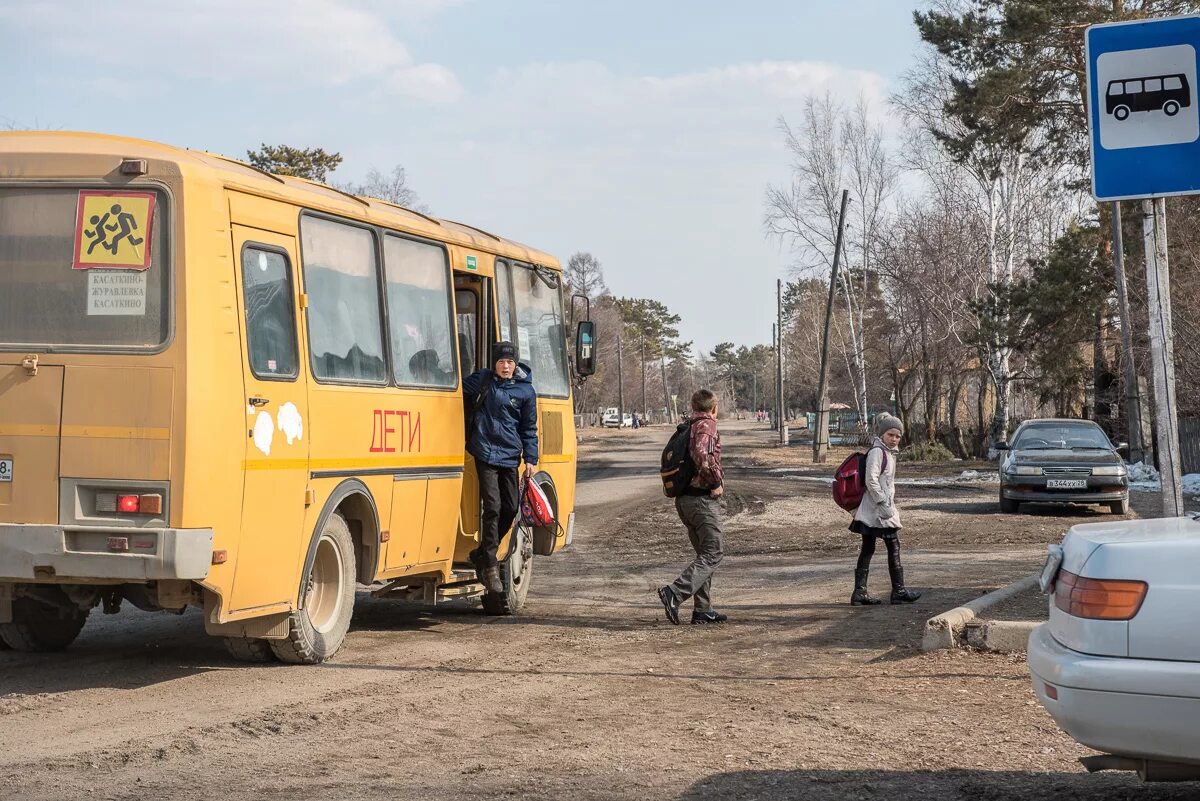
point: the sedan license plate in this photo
(1066, 483)
(6, 469)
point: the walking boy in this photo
(502, 430)
(700, 511)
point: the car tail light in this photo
(1098, 599)
(1051, 691)
(128, 504)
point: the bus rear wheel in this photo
(38, 627)
(516, 573)
(317, 631)
(249, 649)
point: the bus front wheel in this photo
(1121, 112)
(317, 631)
(1170, 108)
(516, 573)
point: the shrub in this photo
(926, 452)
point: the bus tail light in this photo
(1098, 599)
(150, 503)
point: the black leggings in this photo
(868, 550)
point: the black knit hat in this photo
(504, 350)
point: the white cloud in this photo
(661, 176)
(285, 45)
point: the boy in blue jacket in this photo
(503, 429)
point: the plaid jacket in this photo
(706, 452)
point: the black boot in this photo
(900, 595)
(861, 597)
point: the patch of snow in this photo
(1144, 478)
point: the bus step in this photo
(466, 589)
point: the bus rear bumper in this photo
(43, 552)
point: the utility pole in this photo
(821, 437)
(775, 392)
(783, 429)
(645, 411)
(1162, 350)
(620, 383)
(1133, 401)
(666, 392)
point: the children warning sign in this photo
(114, 230)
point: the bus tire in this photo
(516, 574)
(249, 649)
(317, 631)
(1170, 108)
(38, 627)
(1121, 113)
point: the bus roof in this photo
(236, 174)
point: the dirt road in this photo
(590, 694)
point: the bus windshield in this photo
(538, 307)
(46, 301)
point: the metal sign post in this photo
(1144, 121)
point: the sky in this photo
(643, 132)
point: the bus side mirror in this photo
(585, 348)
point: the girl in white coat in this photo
(877, 517)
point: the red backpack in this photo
(850, 480)
(536, 511)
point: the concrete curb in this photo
(943, 630)
(1000, 636)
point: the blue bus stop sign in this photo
(1143, 113)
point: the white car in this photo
(614, 419)
(1118, 665)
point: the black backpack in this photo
(678, 469)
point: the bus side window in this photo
(424, 350)
(270, 321)
(344, 332)
(1172, 82)
(1116, 88)
(1153, 84)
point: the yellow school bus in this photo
(238, 391)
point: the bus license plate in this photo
(1066, 483)
(6, 468)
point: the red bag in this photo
(536, 511)
(850, 480)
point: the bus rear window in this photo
(46, 302)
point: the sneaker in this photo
(670, 603)
(708, 616)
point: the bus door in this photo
(472, 307)
(276, 436)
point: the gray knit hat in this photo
(885, 422)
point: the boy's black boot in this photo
(861, 597)
(900, 595)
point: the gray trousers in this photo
(702, 516)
